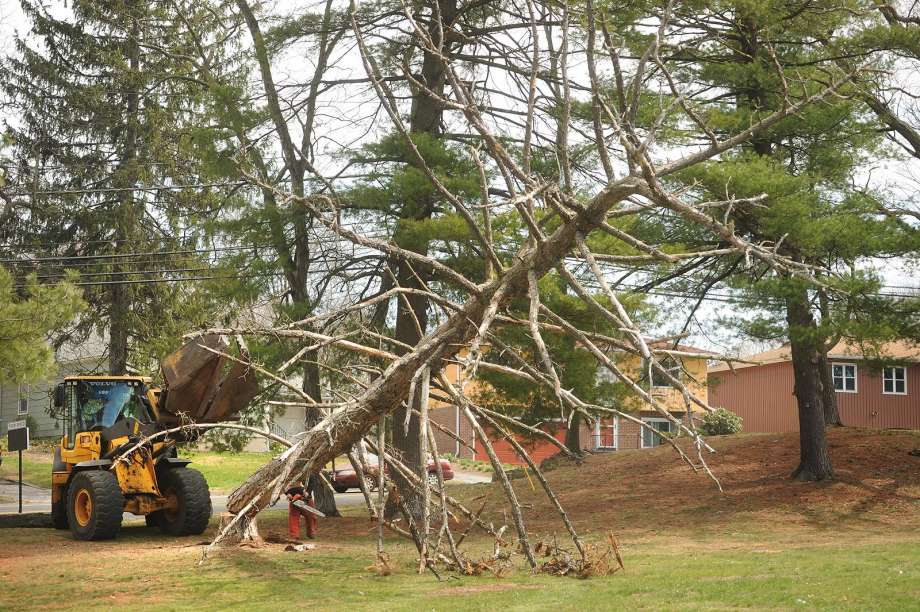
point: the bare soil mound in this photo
(877, 483)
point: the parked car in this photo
(345, 478)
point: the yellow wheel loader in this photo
(104, 466)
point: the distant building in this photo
(870, 392)
(20, 402)
(609, 433)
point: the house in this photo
(611, 433)
(871, 392)
(689, 366)
(31, 402)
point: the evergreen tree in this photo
(29, 314)
(110, 132)
(806, 166)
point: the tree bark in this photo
(412, 312)
(125, 214)
(345, 427)
(828, 394)
(814, 462)
(573, 435)
(323, 497)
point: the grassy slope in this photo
(36, 468)
(766, 542)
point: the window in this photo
(894, 380)
(649, 437)
(23, 406)
(672, 366)
(606, 433)
(844, 375)
(100, 403)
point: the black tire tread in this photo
(191, 489)
(59, 512)
(108, 505)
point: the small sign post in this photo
(17, 433)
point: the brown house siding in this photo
(446, 416)
(762, 396)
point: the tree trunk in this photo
(412, 313)
(828, 394)
(345, 427)
(323, 496)
(814, 462)
(573, 435)
(125, 215)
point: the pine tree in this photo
(29, 313)
(805, 165)
(110, 129)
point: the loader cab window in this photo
(101, 403)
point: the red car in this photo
(345, 478)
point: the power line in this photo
(18, 194)
(108, 256)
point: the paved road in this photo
(36, 499)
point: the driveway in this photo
(36, 499)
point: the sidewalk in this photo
(34, 499)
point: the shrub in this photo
(721, 422)
(32, 424)
(226, 440)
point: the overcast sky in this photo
(893, 176)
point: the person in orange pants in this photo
(298, 493)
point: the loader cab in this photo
(116, 406)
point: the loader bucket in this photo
(203, 386)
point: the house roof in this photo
(684, 348)
(665, 345)
(898, 350)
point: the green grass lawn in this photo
(835, 569)
(767, 542)
(36, 468)
(223, 470)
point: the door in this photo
(649, 436)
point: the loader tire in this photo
(193, 502)
(94, 505)
(59, 512)
(154, 518)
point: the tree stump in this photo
(245, 531)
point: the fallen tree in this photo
(557, 224)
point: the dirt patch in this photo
(877, 485)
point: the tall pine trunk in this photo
(814, 461)
(810, 390)
(412, 313)
(323, 496)
(126, 215)
(829, 394)
(573, 435)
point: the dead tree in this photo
(506, 96)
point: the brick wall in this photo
(446, 416)
(537, 449)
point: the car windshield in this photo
(100, 403)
